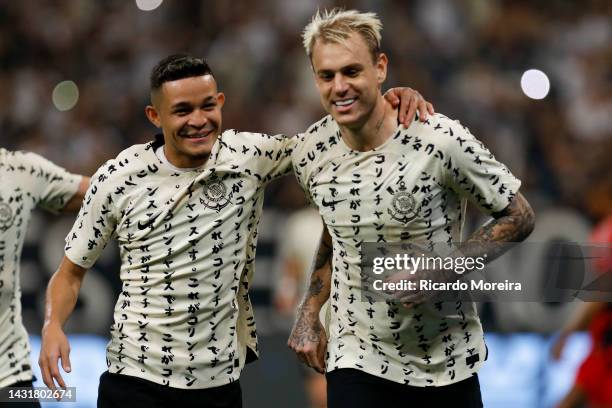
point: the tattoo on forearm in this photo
(315, 286)
(513, 224)
(320, 279)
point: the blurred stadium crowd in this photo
(465, 56)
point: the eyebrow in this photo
(355, 66)
(181, 105)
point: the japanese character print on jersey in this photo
(412, 188)
(187, 243)
(27, 181)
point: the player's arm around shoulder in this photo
(62, 294)
(75, 202)
(266, 156)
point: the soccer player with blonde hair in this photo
(374, 181)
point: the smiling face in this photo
(188, 111)
(348, 79)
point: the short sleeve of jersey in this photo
(95, 223)
(473, 171)
(310, 150)
(56, 186)
(269, 156)
(302, 165)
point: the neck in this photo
(184, 162)
(375, 131)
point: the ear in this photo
(220, 99)
(381, 68)
(153, 115)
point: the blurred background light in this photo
(65, 95)
(148, 5)
(535, 84)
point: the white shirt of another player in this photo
(27, 181)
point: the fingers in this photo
(408, 108)
(418, 103)
(53, 350)
(310, 347)
(50, 371)
(322, 350)
(65, 356)
(317, 357)
(55, 373)
(310, 355)
(298, 348)
(391, 96)
(409, 101)
(44, 370)
(423, 110)
(404, 102)
(410, 299)
(394, 100)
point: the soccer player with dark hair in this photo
(184, 209)
(374, 181)
(27, 181)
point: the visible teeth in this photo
(345, 102)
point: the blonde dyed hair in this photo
(337, 25)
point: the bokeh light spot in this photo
(65, 95)
(535, 84)
(148, 5)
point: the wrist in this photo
(311, 306)
(51, 324)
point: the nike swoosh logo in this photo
(147, 224)
(331, 203)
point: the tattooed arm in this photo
(513, 224)
(308, 338)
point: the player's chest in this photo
(375, 190)
(187, 199)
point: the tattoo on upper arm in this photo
(323, 254)
(319, 280)
(513, 224)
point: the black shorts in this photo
(28, 384)
(117, 390)
(352, 388)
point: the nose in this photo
(340, 85)
(198, 118)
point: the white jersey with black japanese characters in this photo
(410, 189)
(187, 245)
(27, 181)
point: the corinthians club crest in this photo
(403, 205)
(6, 216)
(215, 195)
